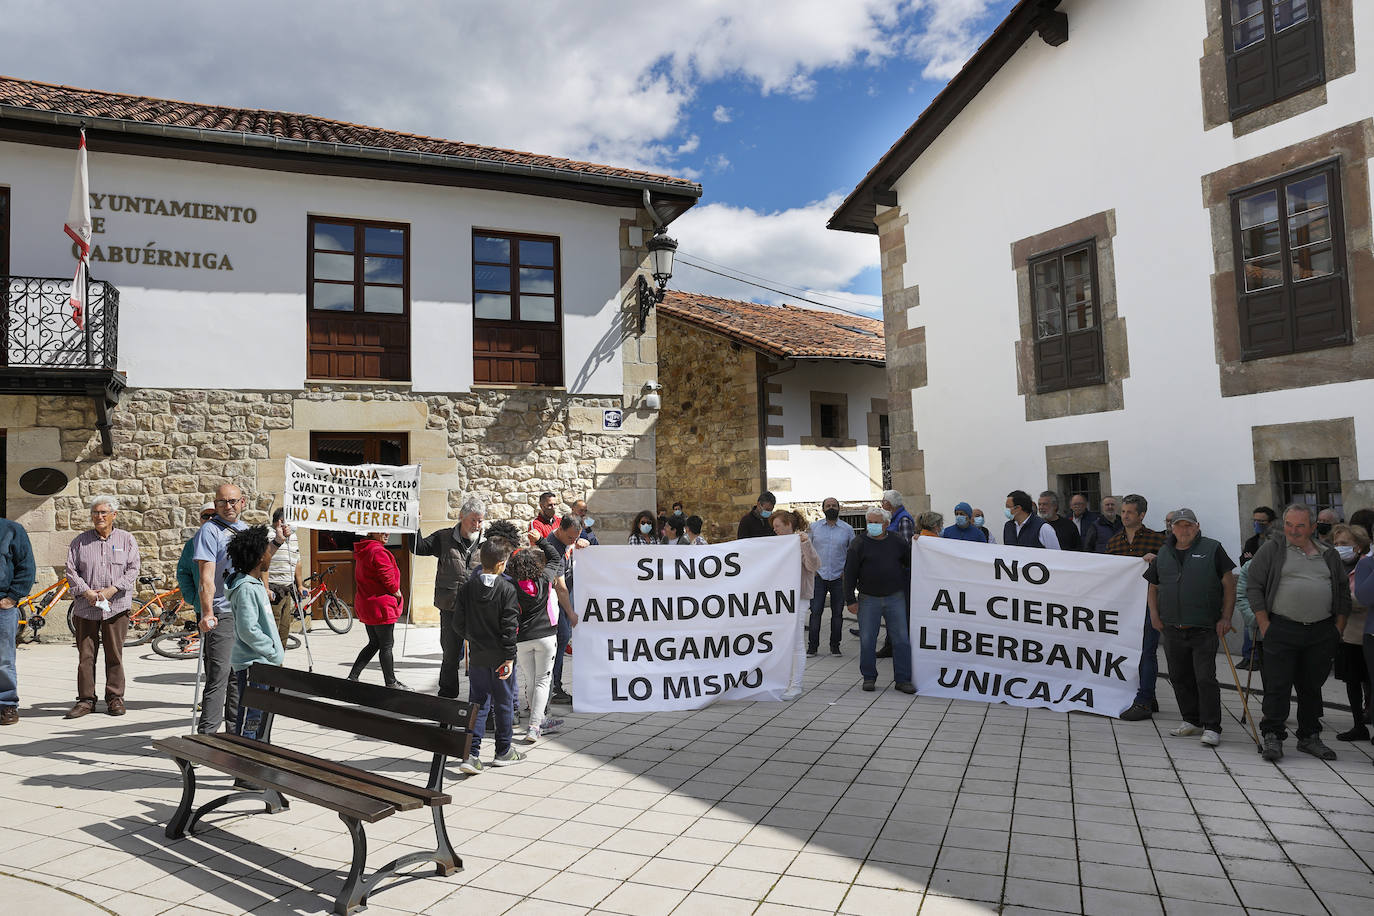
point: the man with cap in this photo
(963, 528)
(1192, 596)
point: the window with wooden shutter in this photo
(517, 328)
(358, 300)
(1290, 264)
(1274, 50)
(1068, 328)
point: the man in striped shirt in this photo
(102, 567)
(1135, 540)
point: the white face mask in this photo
(1346, 551)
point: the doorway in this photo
(335, 548)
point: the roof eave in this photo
(858, 211)
(688, 193)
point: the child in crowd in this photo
(487, 615)
(255, 627)
(537, 639)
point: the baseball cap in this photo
(1184, 515)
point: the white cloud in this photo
(689, 145)
(593, 79)
(786, 248)
(718, 163)
(722, 115)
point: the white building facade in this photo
(1129, 249)
(279, 284)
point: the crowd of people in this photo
(504, 596)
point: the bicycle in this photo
(185, 643)
(33, 611)
(337, 613)
(150, 618)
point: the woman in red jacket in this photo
(377, 602)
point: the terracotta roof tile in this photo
(781, 331)
(141, 109)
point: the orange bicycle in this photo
(33, 611)
(156, 614)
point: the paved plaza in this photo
(841, 802)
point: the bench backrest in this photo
(429, 723)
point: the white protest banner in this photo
(672, 627)
(357, 498)
(1026, 627)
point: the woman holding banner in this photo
(788, 522)
(377, 602)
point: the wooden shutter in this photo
(1297, 57)
(1250, 78)
(1264, 326)
(1319, 314)
(4, 232)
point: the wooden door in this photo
(335, 548)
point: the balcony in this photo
(46, 352)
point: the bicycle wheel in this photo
(293, 641)
(179, 645)
(337, 614)
(144, 624)
(71, 618)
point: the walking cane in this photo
(1244, 697)
(195, 695)
(305, 631)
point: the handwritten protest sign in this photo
(357, 498)
(1026, 627)
(672, 627)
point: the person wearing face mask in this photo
(1352, 542)
(1326, 520)
(644, 529)
(1024, 528)
(1260, 521)
(963, 528)
(877, 570)
(980, 522)
(458, 551)
(831, 538)
(579, 511)
(546, 522)
(755, 523)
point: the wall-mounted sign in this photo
(149, 254)
(43, 481)
(612, 418)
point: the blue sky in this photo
(776, 106)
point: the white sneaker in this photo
(532, 736)
(1210, 738)
(791, 693)
(1186, 730)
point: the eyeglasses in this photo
(228, 502)
(101, 512)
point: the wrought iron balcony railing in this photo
(42, 333)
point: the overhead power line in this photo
(771, 289)
(791, 286)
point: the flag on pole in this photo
(78, 226)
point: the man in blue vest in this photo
(1192, 596)
(1024, 528)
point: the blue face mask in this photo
(1008, 511)
(978, 520)
(764, 513)
(646, 528)
(1260, 527)
(961, 521)
(875, 529)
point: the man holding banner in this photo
(458, 550)
(876, 574)
(1192, 596)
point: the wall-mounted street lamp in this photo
(661, 251)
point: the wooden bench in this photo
(440, 726)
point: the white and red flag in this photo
(78, 226)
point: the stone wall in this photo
(708, 429)
(172, 448)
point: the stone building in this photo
(768, 397)
(267, 284)
(1141, 265)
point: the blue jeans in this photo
(892, 610)
(251, 723)
(833, 590)
(561, 649)
(9, 674)
(1149, 664)
(486, 690)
